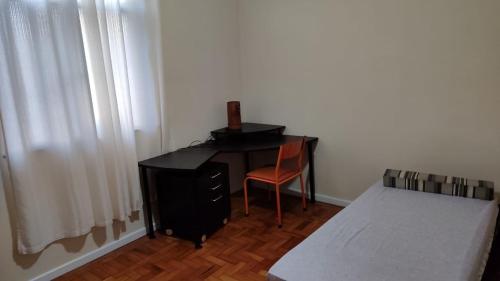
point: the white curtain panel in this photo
(80, 97)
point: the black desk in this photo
(192, 158)
(248, 129)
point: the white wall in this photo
(202, 66)
(201, 58)
(383, 84)
(201, 54)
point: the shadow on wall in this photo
(70, 245)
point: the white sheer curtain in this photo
(80, 95)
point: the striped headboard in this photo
(454, 186)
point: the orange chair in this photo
(288, 167)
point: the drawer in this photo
(216, 188)
(215, 176)
(216, 200)
(217, 214)
(212, 179)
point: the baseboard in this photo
(88, 257)
(332, 200)
(295, 191)
(322, 198)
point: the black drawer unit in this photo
(194, 204)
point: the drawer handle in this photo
(216, 187)
(216, 175)
(217, 199)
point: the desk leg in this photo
(148, 214)
(312, 181)
(247, 165)
(247, 162)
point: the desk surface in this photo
(255, 144)
(191, 158)
(248, 129)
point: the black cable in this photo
(210, 138)
(193, 142)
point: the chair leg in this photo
(278, 205)
(245, 191)
(302, 189)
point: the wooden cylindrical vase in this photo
(233, 115)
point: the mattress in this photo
(389, 234)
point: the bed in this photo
(391, 234)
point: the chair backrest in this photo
(290, 157)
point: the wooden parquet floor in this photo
(244, 249)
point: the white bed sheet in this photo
(390, 234)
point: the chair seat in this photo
(268, 174)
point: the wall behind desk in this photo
(201, 59)
(390, 83)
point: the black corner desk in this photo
(252, 137)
